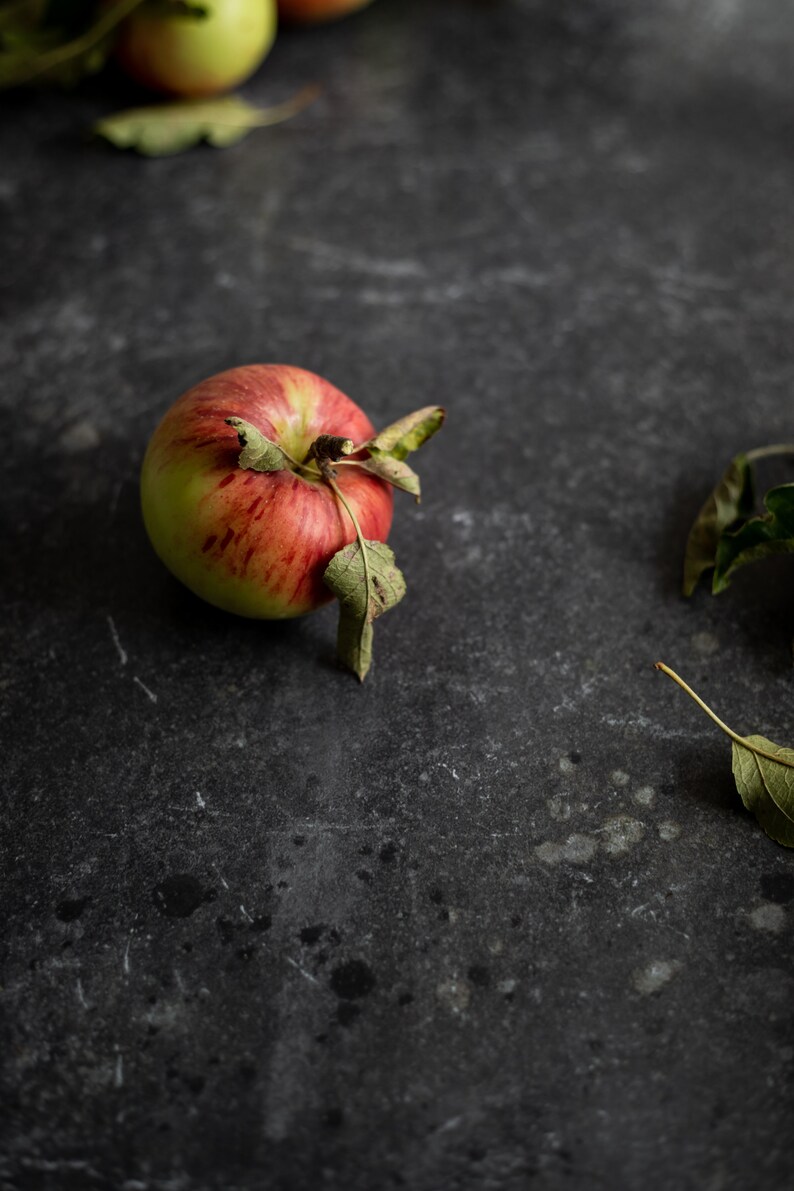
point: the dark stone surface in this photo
(495, 919)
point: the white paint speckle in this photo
(80, 436)
(200, 803)
(576, 849)
(669, 830)
(655, 975)
(768, 917)
(621, 832)
(454, 994)
(116, 641)
(619, 777)
(706, 644)
(645, 796)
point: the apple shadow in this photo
(75, 535)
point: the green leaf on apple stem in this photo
(394, 471)
(408, 434)
(160, 130)
(258, 453)
(367, 582)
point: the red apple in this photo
(252, 542)
(307, 12)
(196, 56)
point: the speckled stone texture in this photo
(495, 920)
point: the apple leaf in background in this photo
(731, 500)
(399, 439)
(394, 471)
(759, 537)
(367, 582)
(258, 452)
(40, 46)
(159, 130)
(70, 16)
(763, 771)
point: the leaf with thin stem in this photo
(763, 771)
(367, 582)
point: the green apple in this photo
(192, 55)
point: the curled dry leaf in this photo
(258, 452)
(731, 499)
(408, 434)
(759, 537)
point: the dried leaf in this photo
(731, 499)
(409, 433)
(763, 771)
(160, 130)
(367, 582)
(759, 537)
(258, 452)
(394, 471)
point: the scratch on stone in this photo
(245, 913)
(81, 994)
(179, 981)
(449, 1125)
(126, 963)
(221, 877)
(119, 648)
(118, 1078)
(200, 801)
(302, 971)
(114, 500)
(149, 694)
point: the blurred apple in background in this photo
(197, 54)
(308, 12)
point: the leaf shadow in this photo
(703, 776)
